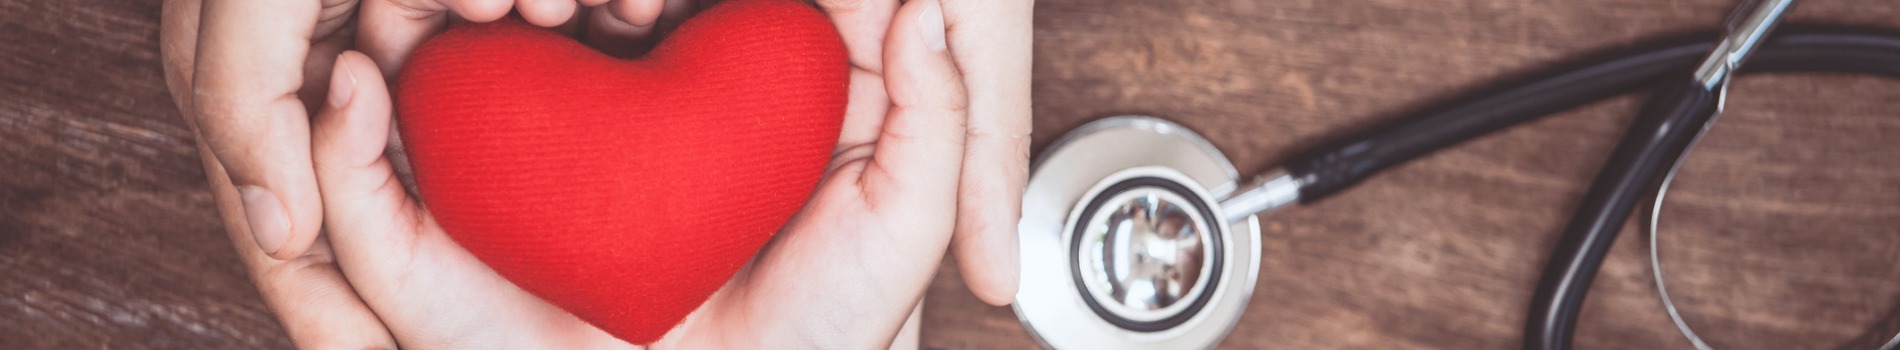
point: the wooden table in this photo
(1782, 230)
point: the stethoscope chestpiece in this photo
(1124, 244)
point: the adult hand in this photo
(246, 74)
(309, 294)
(844, 273)
(247, 77)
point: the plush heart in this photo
(625, 191)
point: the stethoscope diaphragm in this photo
(1124, 243)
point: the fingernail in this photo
(342, 85)
(269, 224)
(930, 24)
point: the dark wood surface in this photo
(1781, 231)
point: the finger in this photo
(546, 13)
(920, 150)
(862, 24)
(608, 33)
(178, 42)
(308, 294)
(349, 138)
(864, 110)
(991, 41)
(611, 31)
(317, 305)
(389, 30)
(576, 24)
(672, 13)
(639, 13)
(249, 113)
(371, 219)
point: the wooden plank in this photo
(107, 234)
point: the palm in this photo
(857, 257)
(428, 290)
(854, 261)
(431, 293)
(842, 261)
(869, 219)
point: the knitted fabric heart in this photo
(624, 191)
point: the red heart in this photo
(625, 191)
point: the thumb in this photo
(920, 151)
(349, 135)
(249, 69)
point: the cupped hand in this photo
(246, 75)
(845, 273)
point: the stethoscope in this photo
(1139, 234)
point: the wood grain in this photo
(107, 234)
(1779, 235)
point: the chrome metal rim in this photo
(1053, 301)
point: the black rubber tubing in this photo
(1655, 140)
(1662, 132)
(1665, 127)
(1330, 169)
